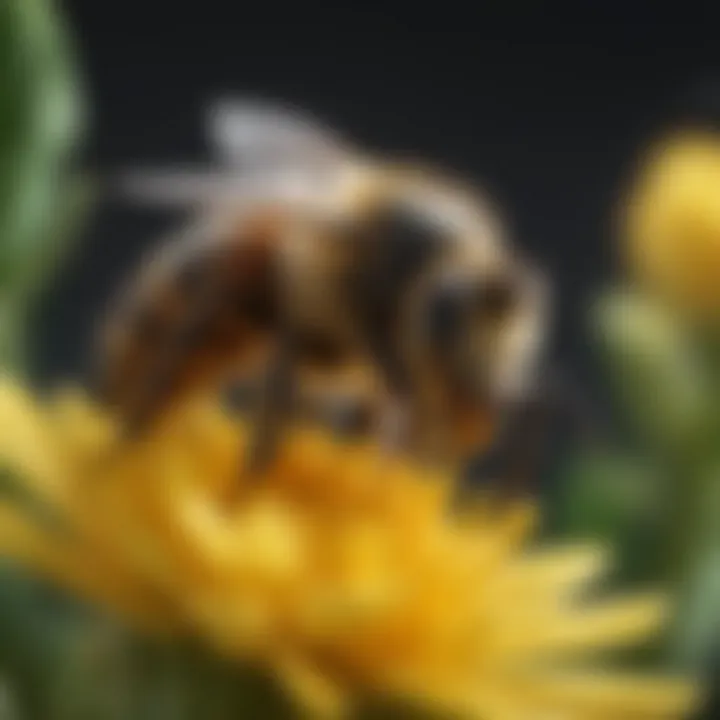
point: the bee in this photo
(308, 261)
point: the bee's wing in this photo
(176, 187)
(207, 191)
(268, 152)
(263, 136)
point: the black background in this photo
(548, 106)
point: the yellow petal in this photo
(79, 570)
(313, 690)
(615, 624)
(340, 567)
(626, 694)
(26, 446)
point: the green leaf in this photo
(618, 500)
(696, 636)
(36, 641)
(42, 117)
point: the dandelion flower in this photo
(344, 572)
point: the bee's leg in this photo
(275, 404)
(241, 394)
(514, 459)
(346, 414)
(518, 457)
(522, 446)
(396, 418)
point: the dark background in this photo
(548, 107)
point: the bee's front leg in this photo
(529, 437)
(516, 459)
(275, 405)
(395, 419)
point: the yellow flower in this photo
(672, 222)
(343, 571)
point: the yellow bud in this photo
(671, 232)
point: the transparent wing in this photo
(176, 187)
(197, 190)
(261, 135)
(267, 152)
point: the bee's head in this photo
(484, 330)
(478, 318)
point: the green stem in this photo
(690, 536)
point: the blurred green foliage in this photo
(659, 374)
(656, 499)
(42, 119)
